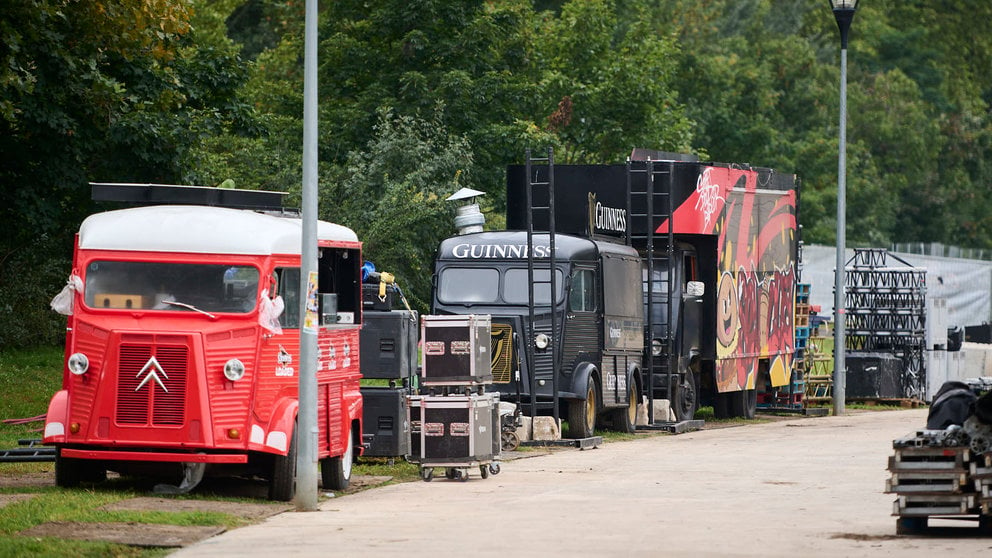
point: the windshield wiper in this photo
(190, 307)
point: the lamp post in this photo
(844, 14)
(307, 427)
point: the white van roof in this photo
(202, 230)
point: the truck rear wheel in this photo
(282, 485)
(335, 472)
(625, 419)
(582, 414)
(685, 397)
(744, 403)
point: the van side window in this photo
(289, 290)
(338, 271)
(688, 270)
(582, 297)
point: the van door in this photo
(692, 303)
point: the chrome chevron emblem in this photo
(151, 370)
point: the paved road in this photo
(804, 486)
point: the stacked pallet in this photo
(935, 474)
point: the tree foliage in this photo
(393, 195)
(412, 92)
(114, 91)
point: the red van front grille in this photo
(151, 385)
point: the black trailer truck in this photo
(709, 248)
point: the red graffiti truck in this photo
(672, 279)
(182, 345)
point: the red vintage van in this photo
(182, 345)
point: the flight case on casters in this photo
(456, 350)
(457, 432)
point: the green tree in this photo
(95, 91)
(393, 196)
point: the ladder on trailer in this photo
(649, 201)
(541, 276)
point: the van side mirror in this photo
(695, 288)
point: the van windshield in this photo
(478, 285)
(171, 286)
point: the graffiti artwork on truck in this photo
(755, 287)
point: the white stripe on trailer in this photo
(201, 229)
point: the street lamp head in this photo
(844, 4)
(844, 14)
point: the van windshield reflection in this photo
(203, 288)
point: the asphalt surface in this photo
(802, 486)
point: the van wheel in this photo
(335, 472)
(625, 419)
(685, 397)
(582, 414)
(282, 485)
(70, 472)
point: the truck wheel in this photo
(582, 414)
(625, 419)
(685, 398)
(743, 403)
(282, 485)
(335, 472)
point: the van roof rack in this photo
(162, 194)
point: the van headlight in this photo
(234, 370)
(541, 341)
(78, 364)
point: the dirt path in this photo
(806, 486)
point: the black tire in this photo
(685, 397)
(582, 414)
(70, 472)
(748, 404)
(484, 471)
(282, 485)
(744, 403)
(335, 472)
(66, 471)
(625, 419)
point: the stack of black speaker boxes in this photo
(454, 421)
(388, 351)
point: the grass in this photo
(29, 378)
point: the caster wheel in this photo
(494, 468)
(427, 474)
(484, 471)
